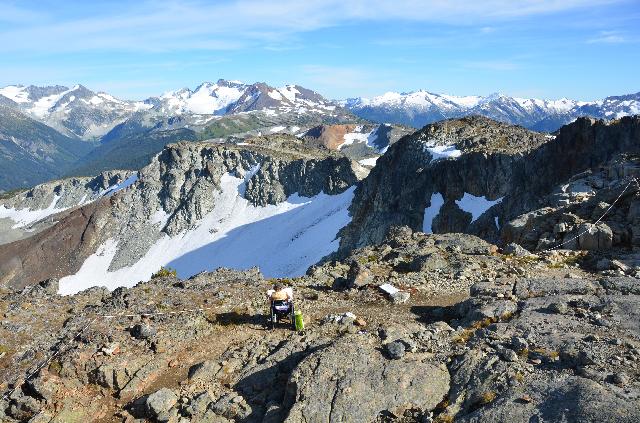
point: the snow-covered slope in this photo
(228, 97)
(422, 107)
(283, 240)
(208, 98)
(197, 206)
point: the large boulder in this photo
(358, 276)
(160, 402)
(351, 380)
(572, 399)
(595, 237)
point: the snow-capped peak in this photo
(419, 108)
(207, 98)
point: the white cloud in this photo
(608, 37)
(197, 25)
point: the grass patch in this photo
(483, 323)
(546, 353)
(488, 397)
(443, 418)
(165, 272)
(463, 337)
(569, 261)
(55, 367)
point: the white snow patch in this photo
(122, 185)
(283, 240)
(160, 217)
(95, 100)
(389, 289)
(24, 217)
(41, 107)
(432, 211)
(277, 129)
(211, 99)
(358, 136)
(289, 92)
(371, 161)
(443, 152)
(275, 95)
(17, 94)
(476, 205)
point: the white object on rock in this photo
(389, 289)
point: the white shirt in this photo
(288, 290)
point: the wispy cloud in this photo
(181, 25)
(608, 37)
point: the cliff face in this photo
(231, 186)
(464, 182)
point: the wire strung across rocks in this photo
(599, 219)
(201, 309)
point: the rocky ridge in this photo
(172, 195)
(427, 187)
(532, 339)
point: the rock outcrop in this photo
(483, 176)
(527, 341)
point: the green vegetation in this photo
(487, 397)
(34, 153)
(55, 367)
(164, 272)
(231, 125)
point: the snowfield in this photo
(476, 205)
(469, 203)
(443, 152)
(25, 217)
(371, 161)
(282, 240)
(431, 211)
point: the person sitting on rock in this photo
(280, 293)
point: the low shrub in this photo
(164, 272)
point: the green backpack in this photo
(299, 321)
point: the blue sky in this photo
(582, 49)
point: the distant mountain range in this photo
(54, 131)
(82, 132)
(420, 108)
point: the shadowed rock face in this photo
(400, 187)
(56, 251)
